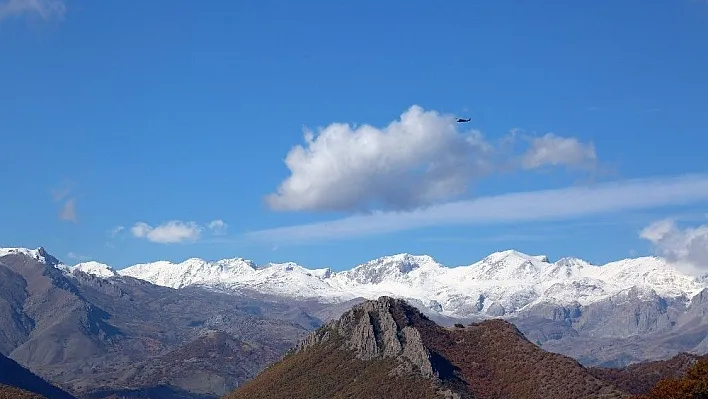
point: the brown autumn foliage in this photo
(640, 378)
(8, 392)
(488, 360)
(497, 361)
(693, 385)
(325, 371)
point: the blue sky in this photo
(163, 117)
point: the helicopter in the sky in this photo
(460, 120)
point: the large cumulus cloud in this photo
(419, 159)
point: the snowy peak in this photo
(571, 262)
(235, 263)
(390, 268)
(541, 258)
(650, 272)
(285, 266)
(566, 268)
(510, 265)
(324, 273)
(191, 271)
(513, 256)
(501, 284)
(95, 268)
(39, 254)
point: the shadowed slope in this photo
(14, 377)
(98, 336)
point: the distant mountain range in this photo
(502, 284)
(97, 337)
(199, 329)
(613, 314)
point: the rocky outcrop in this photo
(491, 359)
(496, 310)
(378, 329)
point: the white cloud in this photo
(552, 150)
(658, 230)
(46, 9)
(173, 231)
(573, 202)
(418, 160)
(115, 231)
(687, 248)
(68, 211)
(218, 227)
(176, 231)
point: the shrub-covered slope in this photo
(388, 349)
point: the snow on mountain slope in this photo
(191, 271)
(38, 254)
(291, 280)
(97, 269)
(94, 268)
(502, 283)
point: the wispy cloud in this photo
(61, 192)
(493, 238)
(546, 205)
(686, 247)
(45, 9)
(218, 227)
(422, 158)
(176, 231)
(552, 150)
(79, 257)
(113, 234)
(67, 212)
(115, 231)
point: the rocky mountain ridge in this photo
(377, 329)
(502, 284)
(98, 336)
(644, 312)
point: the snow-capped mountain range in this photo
(502, 283)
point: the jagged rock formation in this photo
(376, 329)
(384, 342)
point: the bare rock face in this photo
(376, 329)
